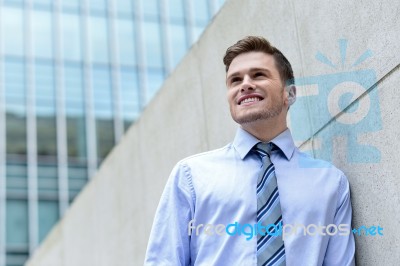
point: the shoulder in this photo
(211, 156)
(306, 161)
(320, 169)
(324, 174)
(199, 164)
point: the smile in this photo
(250, 100)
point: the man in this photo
(297, 208)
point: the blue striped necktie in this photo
(270, 248)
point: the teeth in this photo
(254, 99)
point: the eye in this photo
(259, 74)
(235, 79)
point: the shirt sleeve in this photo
(341, 247)
(169, 242)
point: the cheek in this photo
(230, 97)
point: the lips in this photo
(250, 98)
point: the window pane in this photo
(45, 108)
(155, 79)
(178, 43)
(98, 39)
(74, 93)
(127, 124)
(15, 134)
(46, 136)
(12, 26)
(129, 94)
(102, 92)
(14, 2)
(176, 11)
(198, 30)
(42, 3)
(105, 136)
(42, 34)
(77, 170)
(47, 178)
(17, 184)
(71, 37)
(124, 7)
(201, 13)
(14, 83)
(153, 44)
(16, 258)
(220, 3)
(71, 5)
(16, 170)
(17, 222)
(48, 217)
(97, 6)
(77, 177)
(75, 104)
(76, 136)
(103, 110)
(126, 41)
(45, 89)
(150, 8)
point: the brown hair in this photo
(260, 44)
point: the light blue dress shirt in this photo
(219, 188)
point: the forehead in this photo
(252, 60)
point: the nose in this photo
(247, 84)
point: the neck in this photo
(266, 130)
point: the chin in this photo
(255, 116)
(249, 118)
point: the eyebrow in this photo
(251, 70)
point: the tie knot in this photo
(263, 148)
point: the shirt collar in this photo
(244, 142)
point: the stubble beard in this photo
(265, 114)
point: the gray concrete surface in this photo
(110, 221)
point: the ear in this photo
(291, 90)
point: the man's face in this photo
(255, 89)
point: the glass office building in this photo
(74, 74)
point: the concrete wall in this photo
(110, 221)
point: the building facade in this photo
(74, 74)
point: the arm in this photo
(341, 248)
(169, 242)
